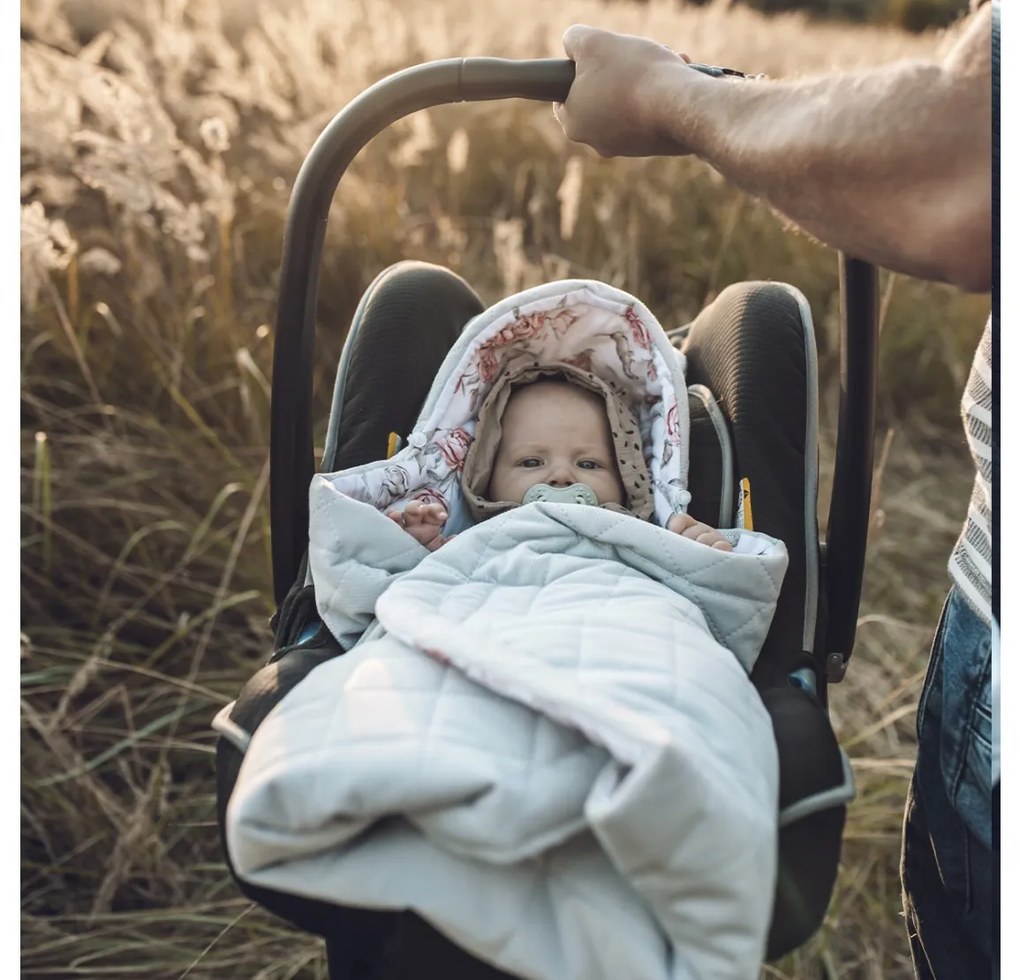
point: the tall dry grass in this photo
(159, 143)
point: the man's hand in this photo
(890, 164)
(424, 522)
(687, 527)
(615, 101)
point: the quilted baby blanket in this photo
(542, 737)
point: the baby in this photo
(555, 435)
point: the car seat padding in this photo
(416, 311)
(755, 352)
(710, 481)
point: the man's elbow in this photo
(975, 280)
(959, 243)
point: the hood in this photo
(585, 324)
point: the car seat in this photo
(753, 396)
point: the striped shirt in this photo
(970, 564)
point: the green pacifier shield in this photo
(576, 493)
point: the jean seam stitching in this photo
(968, 733)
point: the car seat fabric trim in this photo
(705, 396)
(839, 795)
(811, 580)
(229, 729)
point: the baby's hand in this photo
(688, 527)
(424, 522)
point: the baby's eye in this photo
(589, 464)
(530, 462)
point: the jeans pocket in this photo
(971, 790)
(966, 722)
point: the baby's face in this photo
(558, 434)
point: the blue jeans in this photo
(950, 857)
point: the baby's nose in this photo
(560, 475)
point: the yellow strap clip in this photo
(744, 515)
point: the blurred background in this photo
(160, 141)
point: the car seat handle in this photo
(291, 452)
(853, 466)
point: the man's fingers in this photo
(574, 38)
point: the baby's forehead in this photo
(554, 390)
(554, 410)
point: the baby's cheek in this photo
(514, 486)
(523, 484)
(610, 489)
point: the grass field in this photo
(160, 140)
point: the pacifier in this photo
(576, 493)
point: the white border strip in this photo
(812, 594)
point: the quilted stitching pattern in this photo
(576, 752)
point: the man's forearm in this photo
(891, 165)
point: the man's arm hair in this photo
(891, 165)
